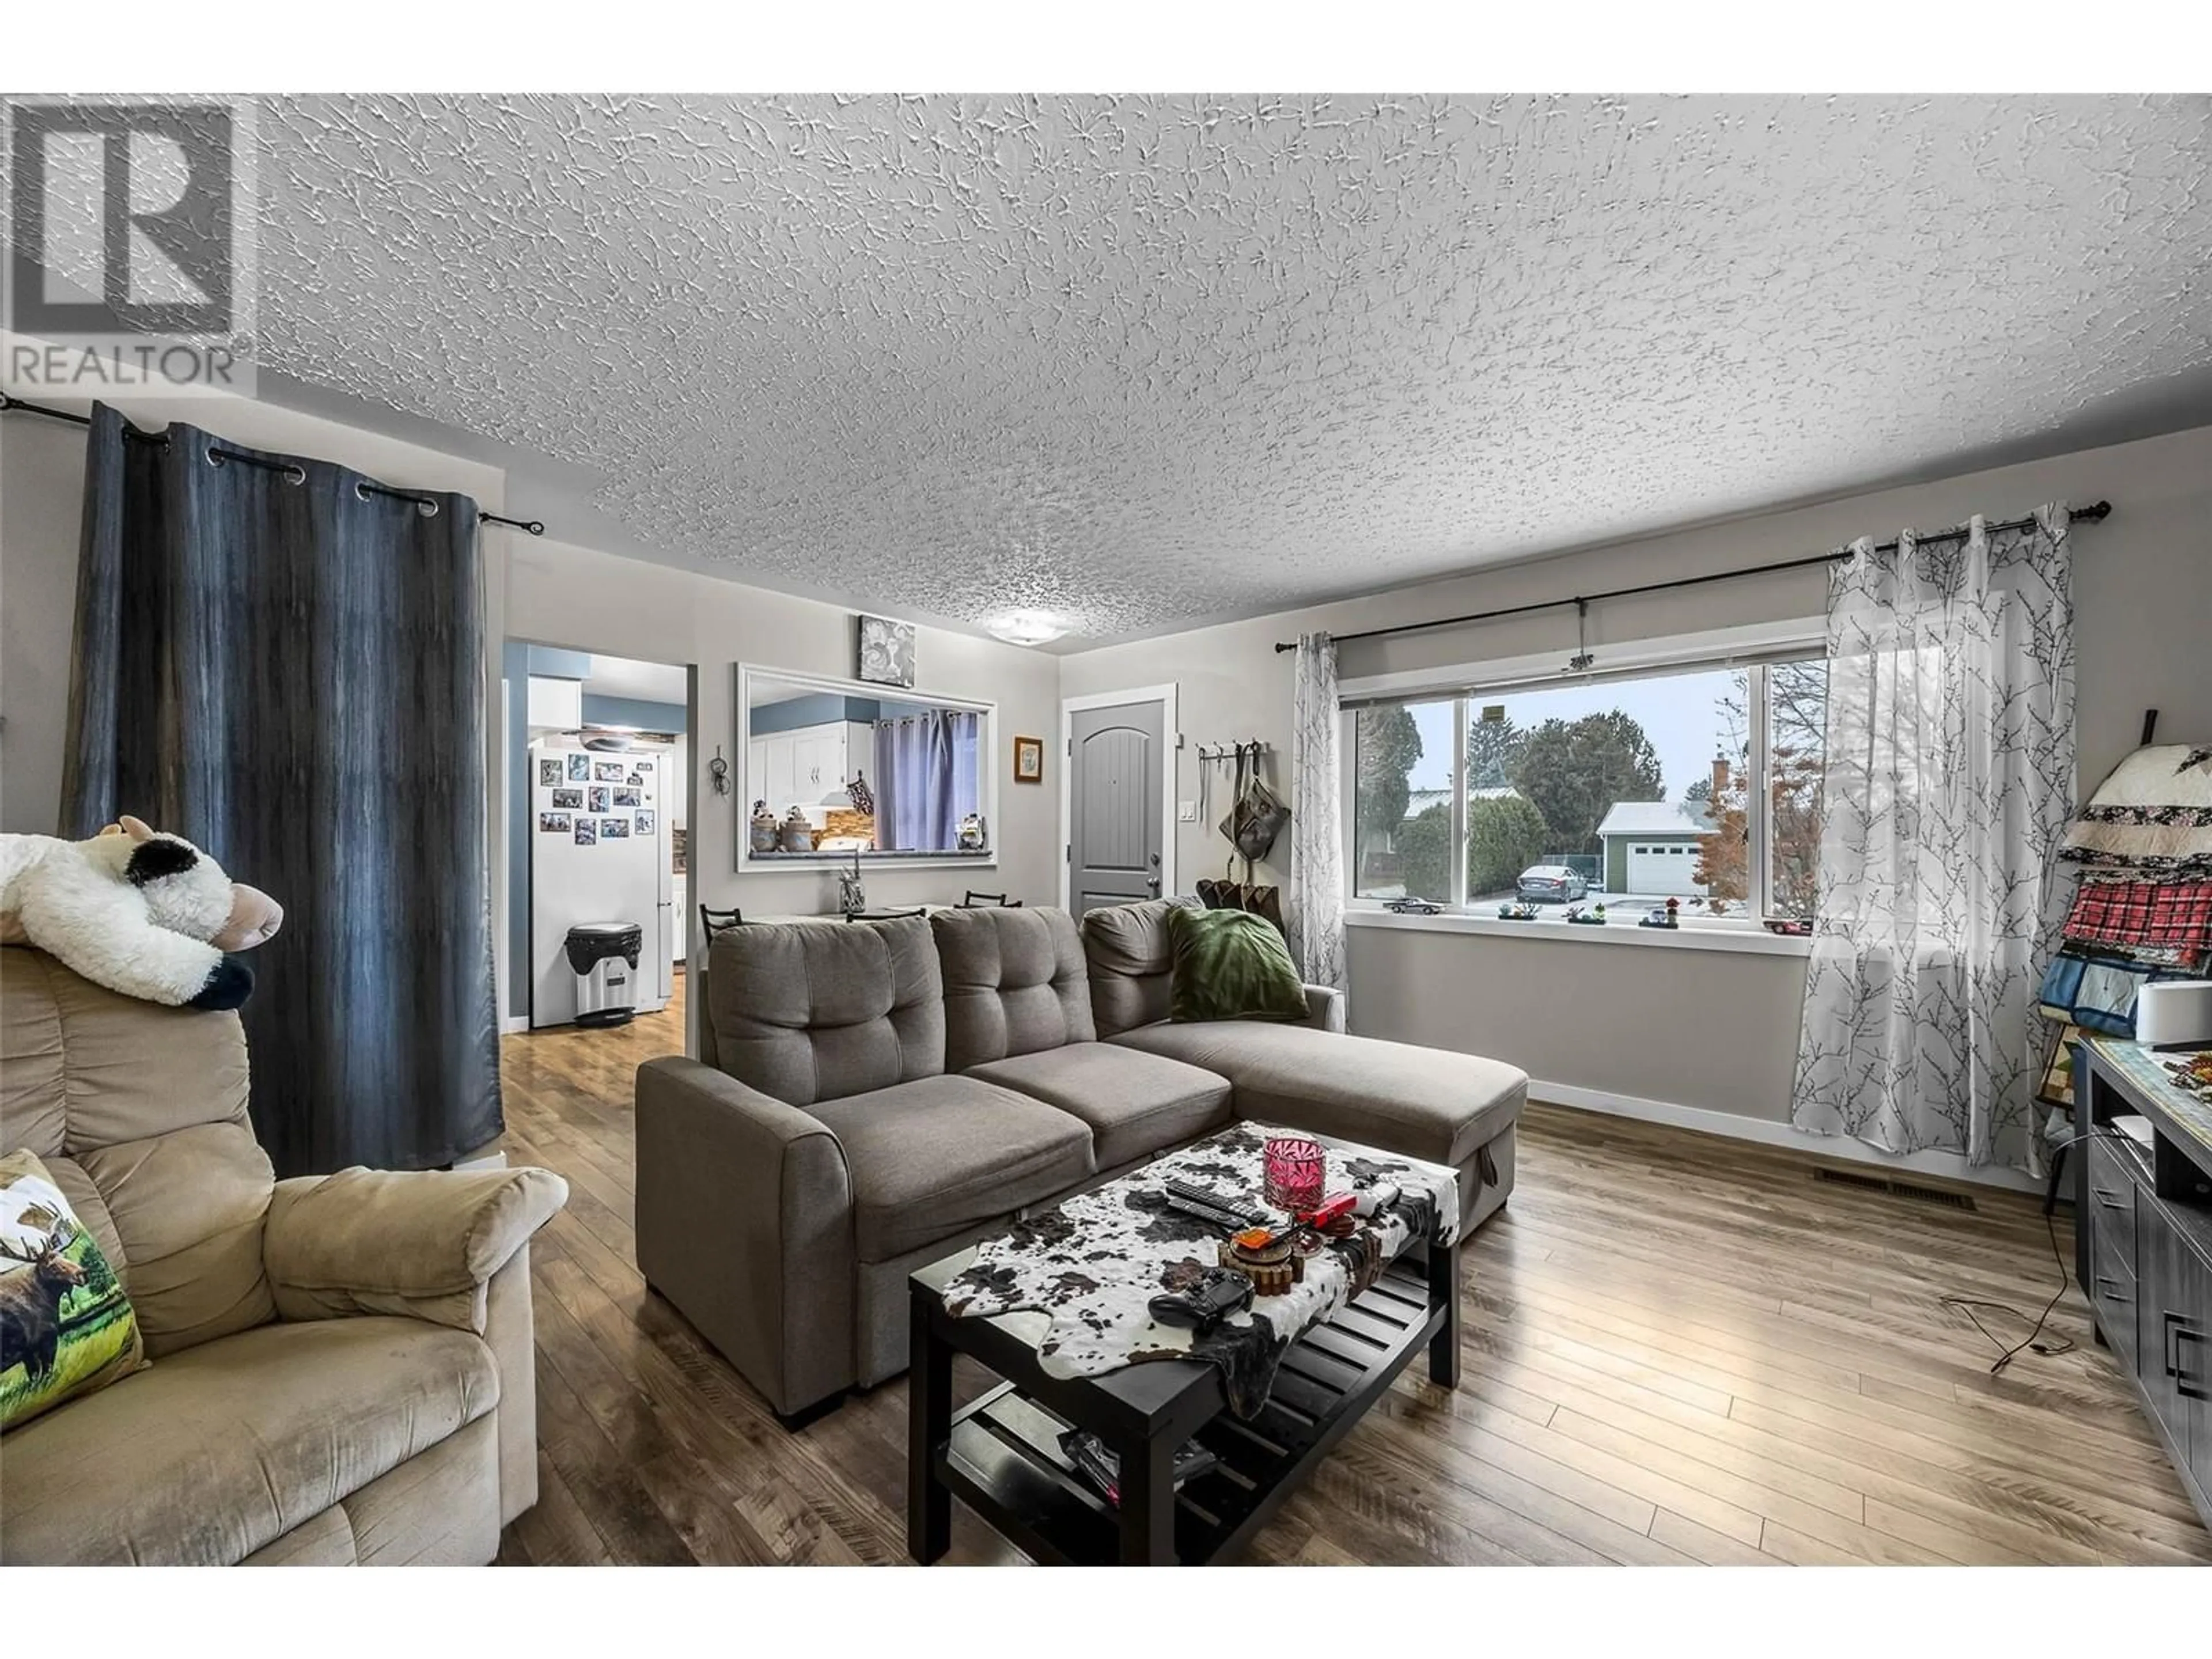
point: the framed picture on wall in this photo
(598, 797)
(609, 771)
(580, 767)
(555, 823)
(886, 652)
(614, 828)
(568, 800)
(1029, 760)
(549, 773)
(587, 833)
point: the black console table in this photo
(2143, 1243)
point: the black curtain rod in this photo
(217, 455)
(2079, 515)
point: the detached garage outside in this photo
(1652, 847)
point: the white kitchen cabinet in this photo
(556, 703)
(800, 767)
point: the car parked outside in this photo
(1551, 884)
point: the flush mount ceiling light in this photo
(1026, 628)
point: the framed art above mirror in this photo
(834, 768)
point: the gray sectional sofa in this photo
(871, 1096)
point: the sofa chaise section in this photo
(1451, 1108)
(1448, 1108)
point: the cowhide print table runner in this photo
(1094, 1263)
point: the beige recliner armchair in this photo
(342, 1366)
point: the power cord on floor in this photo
(1968, 1304)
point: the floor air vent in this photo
(1950, 1201)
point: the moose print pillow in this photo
(66, 1327)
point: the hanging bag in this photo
(1253, 822)
(1257, 816)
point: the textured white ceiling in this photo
(1138, 361)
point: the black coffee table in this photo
(1001, 1455)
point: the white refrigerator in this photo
(600, 851)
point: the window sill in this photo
(1691, 936)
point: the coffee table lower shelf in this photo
(1002, 1456)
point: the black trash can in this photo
(604, 956)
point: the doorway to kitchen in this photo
(598, 771)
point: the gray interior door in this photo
(1113, 805)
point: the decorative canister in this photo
(1269, 1260)
(1296, 1169)
(797, 833)
(764, 830)
(971, 833)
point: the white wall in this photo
(1695, 1028)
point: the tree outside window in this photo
(1796, 697)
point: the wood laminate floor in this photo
(1677, 1349)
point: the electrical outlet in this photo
(1185, 812)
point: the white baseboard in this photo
(1949, 1166)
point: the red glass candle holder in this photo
(1296, 1171)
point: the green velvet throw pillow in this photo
(69, 1328)
(1230, 964)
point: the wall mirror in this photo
(834, 768)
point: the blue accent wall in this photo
(821, 708)
(556, 663)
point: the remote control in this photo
(1214, 1295)
(1193, 1200)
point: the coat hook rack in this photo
(1229, 751)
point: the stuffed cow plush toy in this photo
(141, 912)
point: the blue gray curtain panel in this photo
(284, 661)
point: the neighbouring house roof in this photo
(1419, 801)
(1652, 817)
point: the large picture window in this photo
(1698, 783)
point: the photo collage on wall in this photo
(593, 799)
